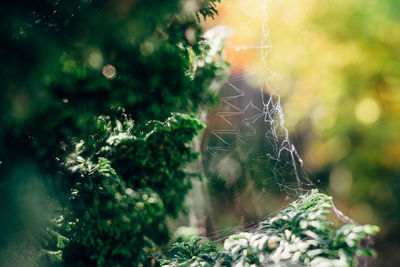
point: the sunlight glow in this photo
(367, 111)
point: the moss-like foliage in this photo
(299, 235)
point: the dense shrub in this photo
(91, 151)
(300, 235)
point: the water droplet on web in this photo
(109, 71)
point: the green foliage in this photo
(124, 182)
(298, 235)
(192, 252)
(208, 8)
(78, 73)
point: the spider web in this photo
(251, 127)
(245, 112)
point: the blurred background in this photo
(336, 66)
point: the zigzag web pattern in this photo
(244, 113)
(282, 157)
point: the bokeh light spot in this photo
(340, 181)
(190, 35)
(95, 60)
(190, 6)
(109, 71)
(230, 171)
(367, 111)
(146, 48)
(129, 191)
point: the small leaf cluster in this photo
(192, 252)
(208, 8)
(299, 235)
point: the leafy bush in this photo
(88, 93)
(123, 185)
(301, 235)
